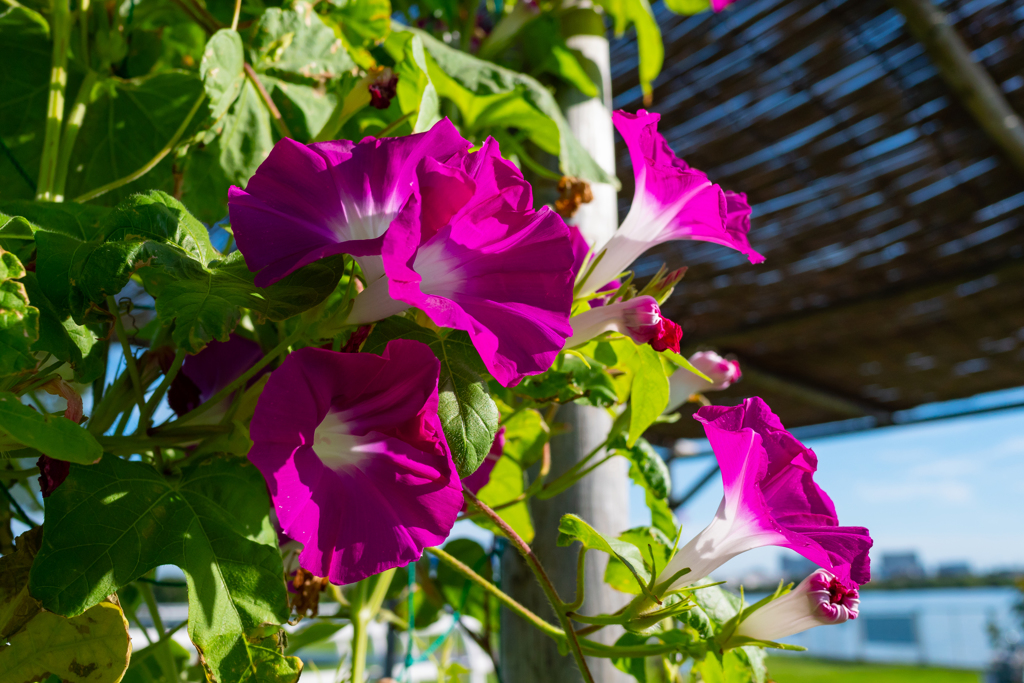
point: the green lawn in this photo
(793, 670)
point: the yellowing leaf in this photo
(91, 648)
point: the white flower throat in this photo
(334, 443)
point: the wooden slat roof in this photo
(892, 226)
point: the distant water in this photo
(936, 626)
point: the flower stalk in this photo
(60, 32)
(366, 599)
(533, 562)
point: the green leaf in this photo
(67, 340)
(109, 524)
(507, 483)
(304, 108)
(653, 472)
(54, 435)
(571, 528)
(19, 322)
(688, 6)
(222, 71)
(482, 78)
(20, 220)
(651, 50)
(719, 604)
(756, 661)
(125, 126)
(415, 93)
(24, 89)
(733, 667)
(647, 404)
(551, 54)
(364, 23)
(91, 648)
(618, 575)
(227, 154)
(297, 42)
(204, 303)
(634, 666)
(468, 413)
(150, 229)
(681, 362)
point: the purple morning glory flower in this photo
(672, 201)
(355, 459)
(307, 202)
(204, 374)
(639, 318)
(770, 499)
(469, 252)
(819, 600)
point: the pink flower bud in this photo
(639, 318)
(820, 600)
(683, 383)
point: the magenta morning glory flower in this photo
(672, 201)
(469, 252)
(819, 600)
(307, 202)
(683, 383)
(639, 318)
(357, 465)
(770, 499)
(204, 374)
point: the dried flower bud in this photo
(305, 592)
(383, 89)
(573, 193)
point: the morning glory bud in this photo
(683, 383)
(639, 318)
(820, 600)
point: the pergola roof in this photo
(893, 227)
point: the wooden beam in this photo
(971, 83)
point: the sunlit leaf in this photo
(212, 521)
(468, 413)
(92, 647)
(54, 435)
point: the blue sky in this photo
(951, 489)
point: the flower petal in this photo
(307, 202)
(502, 274)
(393, 494)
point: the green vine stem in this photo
(268, 102)
(126, 349)
(554, 632)
(60, 33)
(158, 394)
(149, 165)
(589, 647)
(71, 128)
(545, 583)
(167, 663)
(366, 600)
